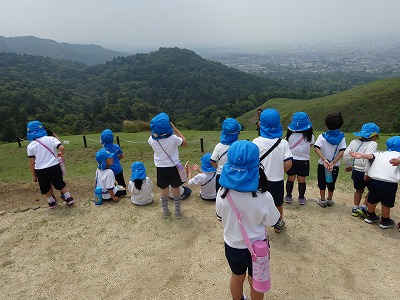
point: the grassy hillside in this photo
(377, 102)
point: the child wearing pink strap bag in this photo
(300, 137)
(240, 177)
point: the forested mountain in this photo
(88, 54)
(72, 98)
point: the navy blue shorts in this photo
(381, 191)
(277, 190)
(168, 176)
(48, 177)
(322, 184)
(300, 168)
(358, 180)
(239, 260)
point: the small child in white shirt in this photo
(140, 186)
(206, 178)
(105, 177)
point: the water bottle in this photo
(328, 176)
(98, 195)
(261, 273)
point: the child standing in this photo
(278, 161)
(206, 178)
(329, 147)
(105, 177)
(166, 156)
(107, 140)
(365, 144)
(230, 133)
(44, 163)
(384, 179)
(239, 178)
(300, 137)
(140, 186)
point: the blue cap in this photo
(393, 144)
(270, 124)
(107, 137)
(205, 163)
(368, 130)
(300, 122)
(230, 131)
(138, 171)
(240, 173)
(101, 157)
(160, 126)
(35, 130)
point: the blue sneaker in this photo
(362, 211)
(288, 199)
(354, 212)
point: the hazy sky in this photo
(181, 23)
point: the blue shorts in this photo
(48, 177)
(168, 176)
(277, 191)
(358, 180)
(322, 184)
(383, 192)
(300, 168)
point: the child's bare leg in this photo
(322, 194)
(357, 197)
(254, 294)
(371, 208)
(385, 211)
(236, 285)
(330, 195)
(366, 199)
(280, 209)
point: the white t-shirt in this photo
(106, 180)
(144, 195)
(207, 182)
(43, 157)
(273, 163)
(357, 145)
(170, 145)
(382, 170)
(302, 150)
(328, 150)
(220, 156)
(257, 212)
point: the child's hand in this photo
(115, 198)
(195, 167)
(348, 169)
(355, 154)
(395, 161)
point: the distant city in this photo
(367, 57)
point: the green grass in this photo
(376, 102)
(81, 164)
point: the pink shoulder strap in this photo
(245, 236)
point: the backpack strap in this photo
(270, 149)
(209, 179)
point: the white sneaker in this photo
(321, 203)
(329, 202)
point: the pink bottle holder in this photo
(261, 273)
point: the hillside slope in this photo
(377, 102)
(87, 54)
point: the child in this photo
(230, 133)
(384, 179)
(44, 163)
(366, 144)
(278, 161)
(105, 176)
(166, 156)
(107, 140)
(300, 138)
(329, 147)
(239, 177)
(206, 178)
(140, 186)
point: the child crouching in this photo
(140, 186)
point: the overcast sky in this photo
(182, 23)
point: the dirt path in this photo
(120, 251)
